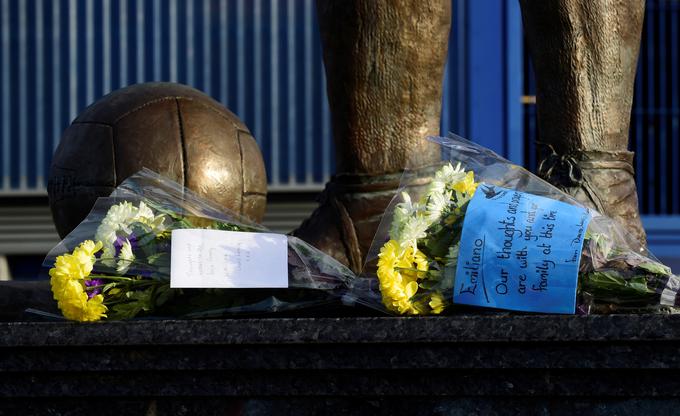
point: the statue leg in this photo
(585, 55)
(384, 65)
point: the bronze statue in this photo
(384, 66)
(172, 129)
(585, 54)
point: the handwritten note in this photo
(520, 252)
(228, 259)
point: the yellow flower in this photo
(68, 267)
(67, 279)
(89, 247)
(398, 271)
(75, 305)
(437, 303)
(467, 186)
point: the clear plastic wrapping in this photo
(116, 263)
(415, 252)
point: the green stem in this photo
(109, 277)
(133, 261)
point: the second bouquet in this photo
(478, 230)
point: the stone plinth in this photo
(471, 364)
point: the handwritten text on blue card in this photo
(519, 251)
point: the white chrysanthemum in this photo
(441, 188)
(448, 174)
(144, 212)
(118, 216)
(118, 220)
(411, 219)
(408, 208)
(108, 256)
(436, 203)
(125, 257)
(436, 187)
(413, 229)
(443, 178)
(145, 216)
(452, 255)
(403, 211)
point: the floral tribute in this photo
(116, 264)
(125, 230)
(417, 263)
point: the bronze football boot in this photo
(585, 55)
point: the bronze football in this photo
(172, 129)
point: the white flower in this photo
(444, 177)
(118, 220)
(436, 187)
(438, 193)
(403, 211)
(108, 255)
(118, 216)
(144, 212)
(411, 219)
(407, 208)
(413, 229)
(125, 257)
(448, 174)
(436, 203)
(452, 255)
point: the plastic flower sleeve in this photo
(116, 263)
(478, 230)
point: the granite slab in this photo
(466, 364)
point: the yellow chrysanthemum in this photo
(89, 247)
(67, 279)
(437, 303)
(75, 305)
(68, 267)
(467, 186)
(398, 272)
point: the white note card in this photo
(228, 259)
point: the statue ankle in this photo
(603, 180)
(349, 213)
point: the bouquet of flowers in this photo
(488, 233)
(117, 263)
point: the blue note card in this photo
(519, 251)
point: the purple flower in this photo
(120, 240)
(96, 290)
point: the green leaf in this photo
(603, 244)
(218, 225)
(108, 286)
(612, 282)
(439, 240)
(639, 283)
(605, 280)
(655, 268)
(159, 259)
(124, 311)
(138, 301)
(163, 294)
